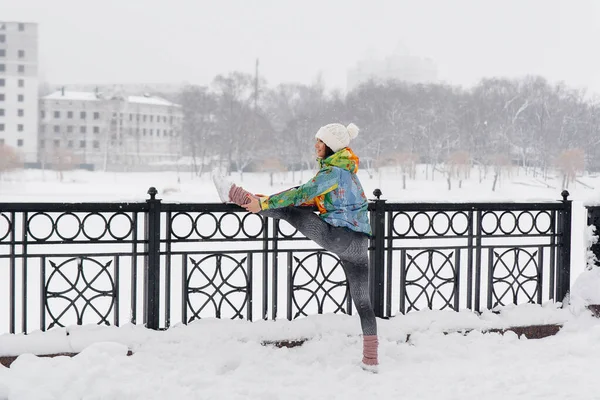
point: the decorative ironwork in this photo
(73, 226)
(6, 226)
(317, 284)
(432, 275)
(212, 281)
(432, 224)
(85, 287)
(514, 272)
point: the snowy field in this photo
(212, 359)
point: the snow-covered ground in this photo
(213, 359)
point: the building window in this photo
(144, 132)
(70, 129)
(21, 27)
(151, 118)
(82, 115)
(20, 112)
(82, 129)
(96, 144)
(20, 127)
(131, 117)
(165, 119)
(21, 69)
(20, 98)
(56, 143)
(70, 144)
(96, 129)
(144, 118)
(1, 112)
(151, 132)
(21, 53)
(69, 114)
(1, 127)
(165, 133)
(96, 115)
(2, 38)
(1, 96)
(56, 128)
(2, 53)
(82, 144)
(20, 142)
(2, 82)
(21, 82)
(56, 114)
(42, 144)
(43, 114)
(1, 142)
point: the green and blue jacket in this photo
(335, 190)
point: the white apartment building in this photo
(19, 88)
(101, 131)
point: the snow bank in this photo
(77, 338)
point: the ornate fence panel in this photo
(70, 264)
(220, 262)
(159, 264)
(454, 256)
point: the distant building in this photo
(397, 67)
(170, 89)
(19, 87)
(115, 131)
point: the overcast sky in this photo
(141, 41)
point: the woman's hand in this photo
(253, 206)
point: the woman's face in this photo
(321, 148)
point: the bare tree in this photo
(570, 162)
(199, 131)
(9, 159)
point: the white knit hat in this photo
(337, 136)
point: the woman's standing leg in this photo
(352, 248)
(355, 261)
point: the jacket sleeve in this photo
(323, 182)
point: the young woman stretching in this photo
(342, 226)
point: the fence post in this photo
(564, 249)
(152, 261)
(376, 260)
(593, 219)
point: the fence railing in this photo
(105, 263)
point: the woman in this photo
(342, 226)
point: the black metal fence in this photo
(105, 263)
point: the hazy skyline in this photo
(137, 41)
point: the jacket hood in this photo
(345, 159)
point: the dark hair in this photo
(328, 152)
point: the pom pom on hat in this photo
(352, 131)
(337, 136)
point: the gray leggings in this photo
(351, 247)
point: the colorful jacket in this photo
(335, 190)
